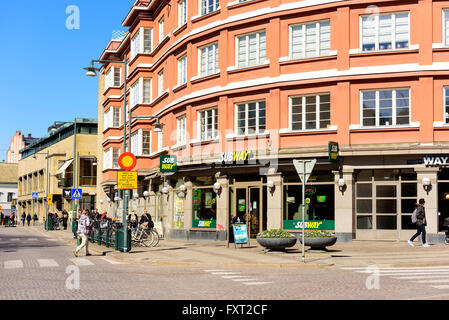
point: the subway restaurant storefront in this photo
(201, 200)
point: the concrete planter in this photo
(319, 243)
(276, 243)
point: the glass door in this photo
(254, 212)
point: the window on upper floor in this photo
(182, 70)
(160, 77)
(309, 112)
(182, 12)
(135, 45)
(251, 49)
(112, 118)
(113, 78)
(142, 42)
(147, 40)
(146, 142)
(160, 141)
(135, 143)
(208, 59)
(381, 32)
(110, 158)
(208, 124)
(147, 90)
(134, 95)
(161, 29)
(446, 105)
(389, 107)
(181, 131)
(310, 39)
(250, 118)
(209, 6)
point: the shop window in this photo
(203, 181)
(88, 172)
(364, 175)
(386, 222)
(204, 208)
(386, 175)
(364, 190)
(365, 222)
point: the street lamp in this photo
(92, 72)
(47, 185)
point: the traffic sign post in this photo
(304, 169)
(77, 194)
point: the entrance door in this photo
(249, 206)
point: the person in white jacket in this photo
(84, 230)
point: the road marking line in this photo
(396, 268)
(113, 261)
(213, 270)
(52, 239)
(402, 273)
(32, 239)
(442, 287)
(241, 280)
(13, 264)
(256, 283)
(231, 277)
(47, 263)
(15, 239)
(82, 262)
(420, 277)
(219, 273)
(432, 281)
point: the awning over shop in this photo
(64, 167)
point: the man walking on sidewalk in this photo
(420, 224)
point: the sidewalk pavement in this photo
(218, 254)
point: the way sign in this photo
(35, 195)
(304, 168)
(77, 194)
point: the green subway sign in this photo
(169, 163)
(204, 224)
(310, 225)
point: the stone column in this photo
(431, 199)
(274, 201)
(344, 206)
(223, 208)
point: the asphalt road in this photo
(36, 267)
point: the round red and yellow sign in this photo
(127, 161)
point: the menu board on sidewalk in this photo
(240, 233)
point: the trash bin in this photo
(119, 234)
(75, 229)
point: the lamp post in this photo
(47, 185)
(92, 72)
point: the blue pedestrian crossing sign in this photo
(77, 194)
(35, 195)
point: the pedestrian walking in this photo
(420, 223)
(65, 217)
(35, 219)
(13, 218)
(28, 219)
(84, 231)
(23, 219)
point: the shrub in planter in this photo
(276, 239)
(318, 239)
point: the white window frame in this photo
(116, 109)
(237, 45)
(108, 158)
(318, 51)
(376, 31)
(393, 108)
(147, 96)
(236, 124)
(144, 51)
(135, 93)
(303, 111)
(214, 124)
(182, 13)
(115, 165)
(143, 150)
(181, 130)
(216, 56)
(160, 141)
(160, 81)
(135, 143)
(161, 24)
(204, 10)
(182, 70)
(136, 44)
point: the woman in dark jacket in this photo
(420, 224)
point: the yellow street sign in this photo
(50, 199)
(127, 180)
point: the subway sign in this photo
(309, 225)
(235, 157)
(168, 163)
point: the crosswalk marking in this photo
(397, 268)
(256, 283)
(213, 270)
(433, 281)
(114, 261)
(240, 280)
(32, 239)
(13, 264)
(82, 262)
(220, 273)
(47, 263)
(421, 277)
(233, 277)
(442, 287)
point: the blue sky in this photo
(42, 78)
